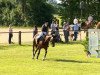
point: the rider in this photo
(66, 29)
(44, 32)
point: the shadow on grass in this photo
(70, 43)
(70, 61)
(75, 42)
(3, 47)
(26, 45)
(6, 47)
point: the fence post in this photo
(19, 39)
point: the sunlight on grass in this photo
(64, 59)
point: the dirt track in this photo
(26, 37)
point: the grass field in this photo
(64, 59)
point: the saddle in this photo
(42, 38)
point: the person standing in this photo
(66, 30)
(58, 39)
(53, 27)
(75, 29)
(10, 34)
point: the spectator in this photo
(75, 29)
(10, 34)
(58, 39)
(53, 27)
(66, 30)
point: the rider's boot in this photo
(38, 40)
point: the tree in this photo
(71, 9)
(25, 12)
(41, 11)
(23, 4)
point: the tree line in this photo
(36, 12)
(25, 12)
(69, 9)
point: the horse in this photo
(42, 44)
(87, 25)
(98, 25)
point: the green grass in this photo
(64, 59)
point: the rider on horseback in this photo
(44, 32)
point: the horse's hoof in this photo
(32, 58)
(43, 59)
(88, 55)
(36, 58)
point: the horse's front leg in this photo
(33, 48)
(38, 53)
(33, 52)
(45, 54)
(36, 50)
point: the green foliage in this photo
(25, 12)
(41, 12)
(72, 8)
(11, 13)
(85, 44)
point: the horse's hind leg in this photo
(45, 54)
(36, 51)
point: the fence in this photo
(27, 36)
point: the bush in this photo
(85, 44)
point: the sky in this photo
(58, 1)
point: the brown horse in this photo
(86, 25)
(41, 45)
(98, 25)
